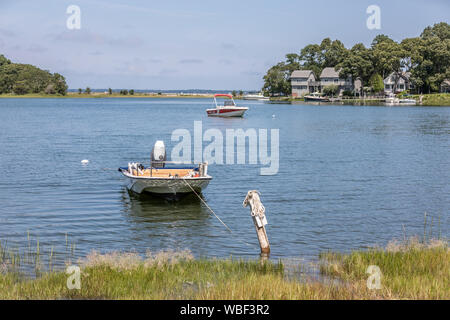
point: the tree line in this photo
(426, 57)
(21, 79)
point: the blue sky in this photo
(191, 44)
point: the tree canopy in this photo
(21, 79)
(426, 57)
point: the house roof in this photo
(404, 75)
(301, 73)
(329, 73)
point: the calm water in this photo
(349, 177)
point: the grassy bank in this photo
(434, 99)
(409, 271)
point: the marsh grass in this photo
(33, 259)
(410, 269)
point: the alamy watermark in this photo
(74, 279)
(73, 22)
(234, 145)
(374, 280)
(374, 20)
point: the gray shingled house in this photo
(445, 86)
(397, 82)
(303, 82)
(330, 76)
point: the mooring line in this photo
(212, 211)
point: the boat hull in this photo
(166, 186)
(226, 112)
(316, 99)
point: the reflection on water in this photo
(146, 208)
(159, 223)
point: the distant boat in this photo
(407, 101)
(392, 100)
(228, 109)
(259, 97)
(316, 97)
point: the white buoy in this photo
(273, 116)
(84, 161)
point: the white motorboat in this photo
(315, 97)
(407, 101)
(228, 109)
(164, 177)
(393, 100)
(258, 97)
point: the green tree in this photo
(311, 58)
(80, 90)
(386, 55)
(358, 63)
(276, 81)
(16, 77)
(59, 84)
(131, 92)
(428, 57)
(440, 30)
(4, 60)
(110, 91)
(376, 82)
(88, 90)
(332, 53)
(233, 93)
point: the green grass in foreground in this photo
(409, 271)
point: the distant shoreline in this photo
(429, 100)
(103, 95)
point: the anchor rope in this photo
(212, 211)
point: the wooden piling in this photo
(257, 212)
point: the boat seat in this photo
(163, 173)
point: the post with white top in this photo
(257, 212)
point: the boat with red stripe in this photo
(228, 109)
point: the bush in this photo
(330, 90)
(347, 93)
(20, 88)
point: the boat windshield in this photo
(221, 101)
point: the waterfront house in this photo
(303, 82)
(330, 76)
(445, 86)
(397, 82)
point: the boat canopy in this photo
(223, 95)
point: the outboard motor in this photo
(158, 154)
